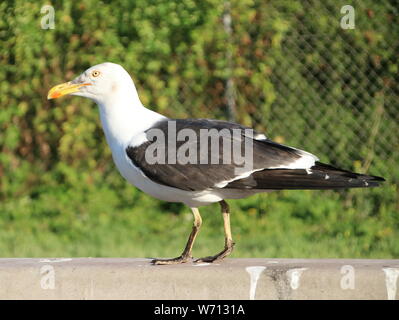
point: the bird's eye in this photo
(95, 73)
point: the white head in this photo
(111, 87)
(100, 83)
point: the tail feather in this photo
(320, 176)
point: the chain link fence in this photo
(340, 98)
(300, 71)
(319, 76)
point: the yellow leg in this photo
(228, 240)
(186, 255)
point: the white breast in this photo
(137, 178)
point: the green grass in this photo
(120, 221)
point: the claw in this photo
(218, 257)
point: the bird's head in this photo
(99, 83)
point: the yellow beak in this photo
(65, 88)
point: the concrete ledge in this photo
(116, 278)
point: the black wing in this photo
(216, 173)
(320, 176)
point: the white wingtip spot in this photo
(309, 171)
(327, 177)
(222, 184)
(260, 136)
(306, 160)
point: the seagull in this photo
(167, 159)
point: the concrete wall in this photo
(115, 278)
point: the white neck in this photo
(123, 117)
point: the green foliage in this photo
(298, 76)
